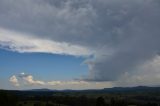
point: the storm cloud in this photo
(122, 35)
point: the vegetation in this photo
(80, 98)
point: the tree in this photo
(100, 101)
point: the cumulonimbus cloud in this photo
(122, 34)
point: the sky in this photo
(79, 44)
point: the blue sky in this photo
(42, 66)
(79, 44)
(51, 65)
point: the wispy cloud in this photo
(67, 82)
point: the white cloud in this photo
(67, 83)
(14, 80)
(29, 81)
(23, 43)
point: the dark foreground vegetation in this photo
(137, 96)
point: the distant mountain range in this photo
(114, 89)
(43, 89)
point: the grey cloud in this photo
(124, 34)
(148, 74)
(87, 22)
